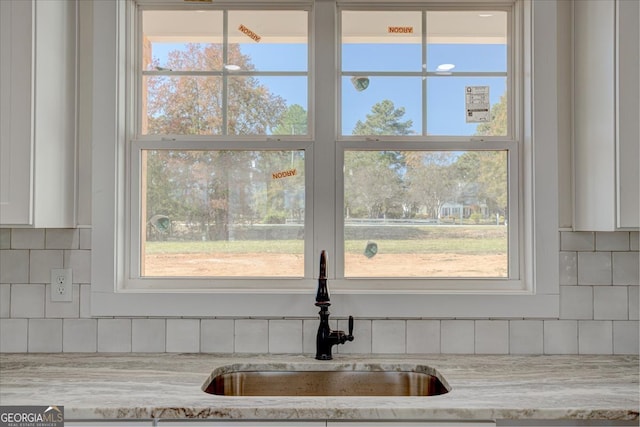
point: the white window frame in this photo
(538, 297)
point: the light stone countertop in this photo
(120, 386)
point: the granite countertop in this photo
(101, 386)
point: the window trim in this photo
(108, 298)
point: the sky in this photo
(445, 94)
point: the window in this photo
(205, 203)
(437, 79)
(253, 142)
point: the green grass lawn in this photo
(441, 239)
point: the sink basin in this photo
(325, 380)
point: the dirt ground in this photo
(288, 265)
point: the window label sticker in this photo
(284, 174)
(477, 104)
(400, 30)
(249, 33)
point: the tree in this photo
(373, 185)
(292, 122)
(430, 180)
(499, 119)
(195, 186)
(384, 120)
(492, 165)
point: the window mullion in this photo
(326, 177)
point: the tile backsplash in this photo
(599, 299)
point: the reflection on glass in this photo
(446, 109)
(222, 213)
(471, 40)
(181, 40)
(271, 40)
(426, 213)
(388, 106)
(381, 40)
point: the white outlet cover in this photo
(61, 285)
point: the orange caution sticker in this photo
(284, 174)
(249, 33)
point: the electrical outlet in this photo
(61, 288)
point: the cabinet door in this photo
(16, 51)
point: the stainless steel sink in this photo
(316, 380)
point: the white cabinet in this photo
(37, 112)
(606, 115)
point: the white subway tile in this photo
(63, 309)
(362, 342)
(148, 335)
(80, 335)
(14, 266)
(114, 335)
(85, 300)
(610, 303)
(5, 238)
(492, 337)
(594, 268)
(183, 335)
(27, 238)
(526, 337)
(285, 336)
(309, 331)
(62, 238)
(625, 337)
(80, 262)
(560, 337)
(595, 337)
(85, 238)
(634, 302)
(626, 268)
(251, 336)
(576, 302)
(388, 336)
(27, 300)
(423, 336)
(216, 335)
(577, 241)
(457, 336)
(634, 241)
(13, 335)
(5, 300)
(568, 268)
(612, 241)
(41, 263)
(45, 335)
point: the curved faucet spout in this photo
(322, 296)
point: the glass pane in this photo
(222, 213)
(270, 40)
(181, 105)
(267, 105)
(468, 41)
(381, 41)
(425, 214)
(447, 112)
(181, 40)
(381, 105)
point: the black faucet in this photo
(326, 338)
